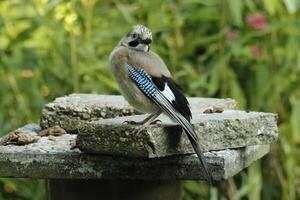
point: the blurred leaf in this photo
(295, 121)
(236, 91)
(241, 193)
(24, 35)
(213, 193)
(236, 9)
(251, 5)
(214, 77)
(271, 6)
(254, 173)
(192, 186)
(126, 12)
(291, 5)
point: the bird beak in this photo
(146, 41)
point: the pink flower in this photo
(256, 52)
(231, 35)
(258, 22)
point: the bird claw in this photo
(156, 122)
(137, 131)
(153, 124)
(132, 123)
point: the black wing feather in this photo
(181, 103)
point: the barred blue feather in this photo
(143, 81)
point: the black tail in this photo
(166, 106)
(202, 160)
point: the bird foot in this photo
(156, 122)
(133, 122)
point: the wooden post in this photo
(61, 189)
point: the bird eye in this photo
(134, 35)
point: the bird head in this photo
(139, 38)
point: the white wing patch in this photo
(167, 92)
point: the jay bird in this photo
(147, 84)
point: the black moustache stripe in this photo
(133, 43)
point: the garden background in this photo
(243, 49)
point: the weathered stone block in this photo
(56, 158)
(230, 129)
(71, 111)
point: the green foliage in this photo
(53, 48)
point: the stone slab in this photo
(56, 158)
(216, 131)
(70, 111)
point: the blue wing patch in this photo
(142, 80)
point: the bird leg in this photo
(151, 121)
(150, 118)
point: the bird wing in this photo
(164, 93)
